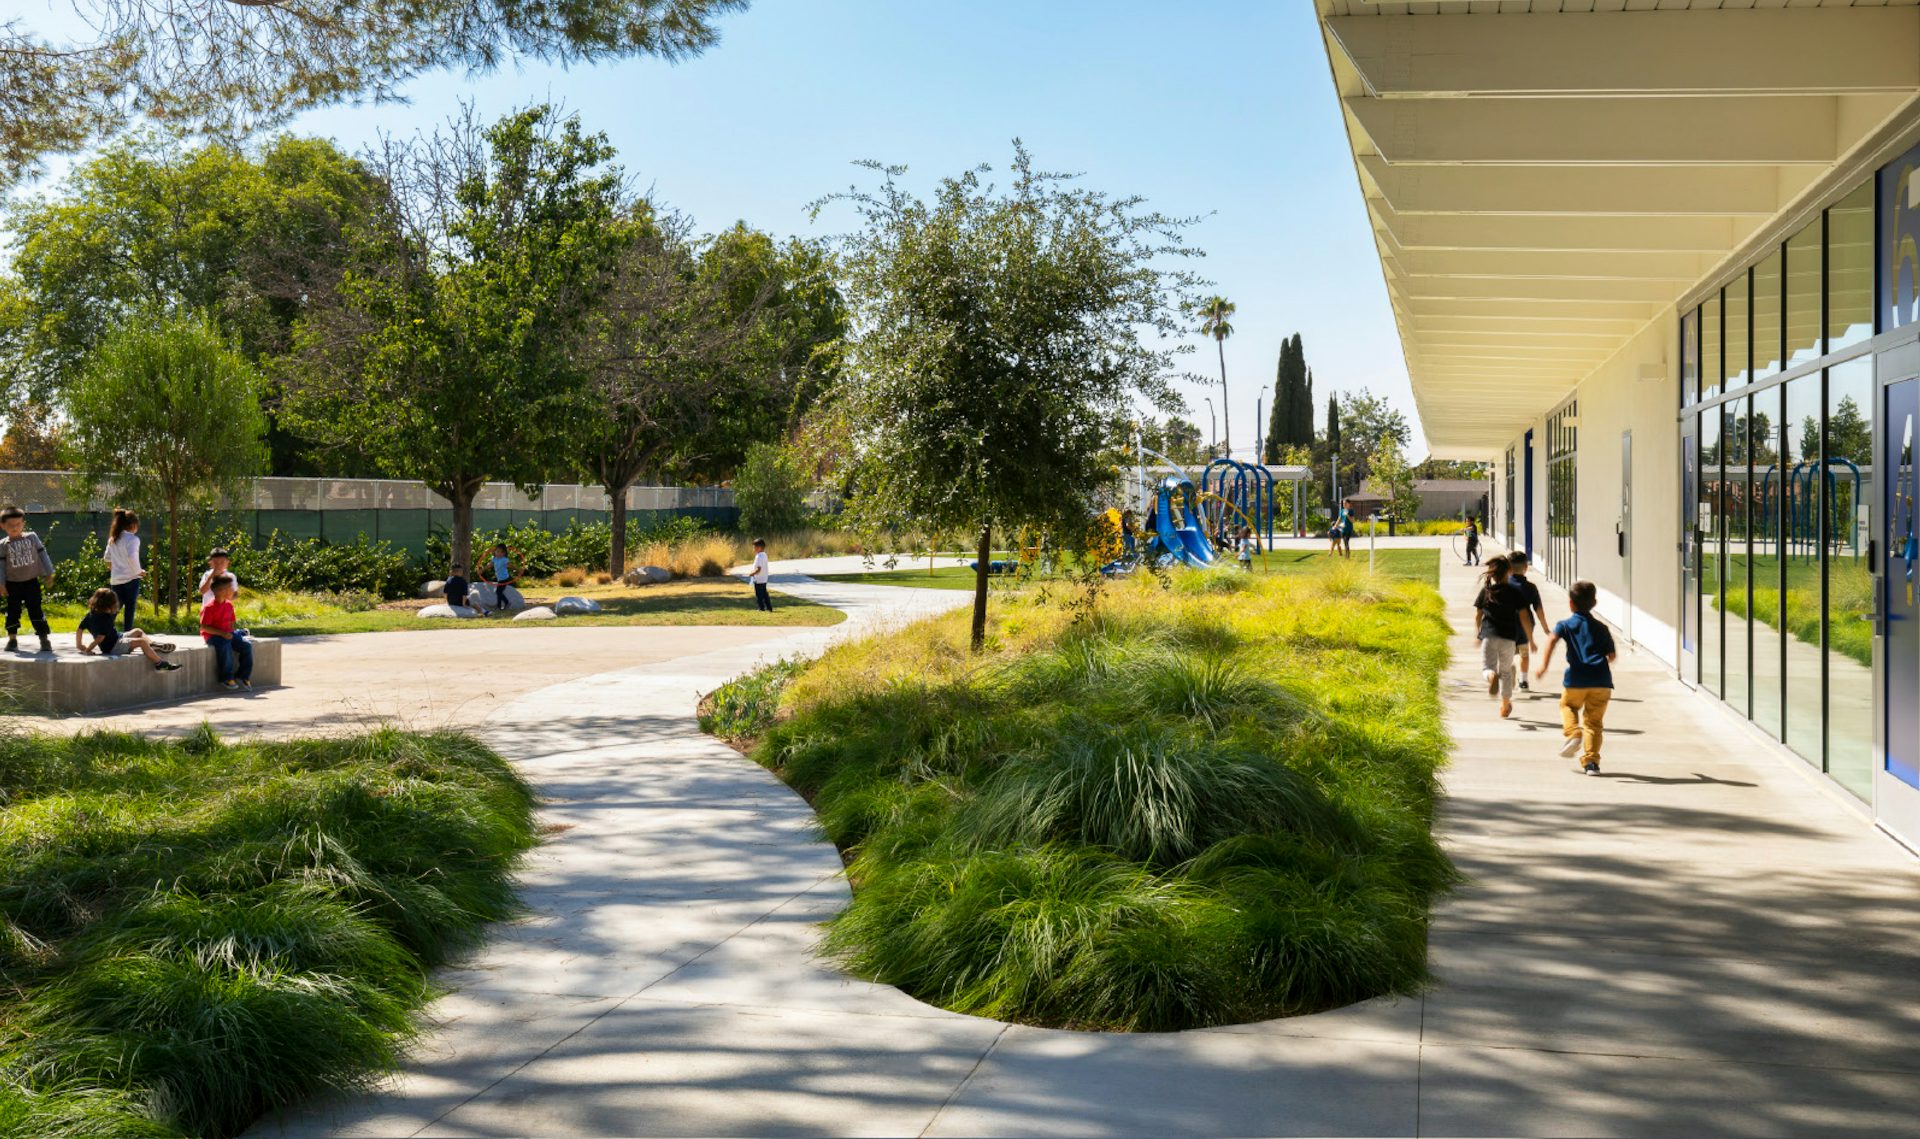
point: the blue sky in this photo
(1224, 109)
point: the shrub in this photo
(193, 933)
(570, 577)
(771, 490)
(75, 578)
(1167, 810)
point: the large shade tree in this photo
(166, 417)
(233, 66)
(445, 353)
(997, 337)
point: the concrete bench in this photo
(70, 681)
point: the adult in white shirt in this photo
(762, 600)
(123, 563)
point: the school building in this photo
(1660, 263)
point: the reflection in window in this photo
(1766, 317)
(1738, 365)
(1763, 556)
(1736, 483)
(1689, 357)
(1710, 359)
(1803, 296)
(1803, 508)
(1850, 487)
(1850, 269)
(1711, 561)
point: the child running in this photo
(123, 563)
(233, 653)
(1587, 686)
(107, 640)
(1529, 611)
(501, 574)
(28, 567)
(1499, 605)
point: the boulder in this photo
(571, 606)
(537, 613)
(657, 574)
(432, 612)
(635, 577)
(434, 589)
(483, 596)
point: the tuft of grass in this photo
(196, 932)
(1196, 805)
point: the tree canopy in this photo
(231, 67)
(997, 338)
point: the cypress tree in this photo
(1303, 430)
(1280, 421)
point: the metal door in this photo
(1526, 478)
(1623, 537)
(1689, 556)
(1899, 578)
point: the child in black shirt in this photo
(107, 640)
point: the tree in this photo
(1214, 312)
(1303, 407)
(32, 440)
(1291, 422)
(1393, 480)
(666, 357)
(1333, 447)
(446, 352)
(167, 415)
(229, 67)
(145, 225)
(998, 339)
(771, 490)
(1450, 469)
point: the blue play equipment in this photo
(1245, 487)
(1176, 527)
(1801, 488)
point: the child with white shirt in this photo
(761, 599)
(123, 563)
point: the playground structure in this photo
(1234, 490)
(1800, 487)
(1177, 526)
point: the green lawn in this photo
(701, 601)
(1401, 565)
(1197, 805)
(193, 933)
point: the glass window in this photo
(1763, 555)
(1803, 296)
(1736, 483)
(1849, 488)
(1803, 500)
(1766, 317)
(1899, 242)
(1736, 335)
(1850, 269)
(1710, 360)
(1689, 357)
(1712, 563)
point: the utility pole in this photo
(1259, 423)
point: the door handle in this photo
(1873, 555)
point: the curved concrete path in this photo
(1705, 944)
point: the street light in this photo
(1213, 429)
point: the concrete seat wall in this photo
(72, 682)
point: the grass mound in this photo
(1186, 806)
(192, 933)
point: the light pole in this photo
(1213, 430)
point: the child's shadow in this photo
(1672, 780)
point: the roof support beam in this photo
(1767, 130)
(1565, 233)
(1751, 191)
(1803, 51)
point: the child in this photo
(502, 570)
(1473, 541)
(123, 562)
(109, 641)
(456, 589)
(1533, 608)
(231, 649)
(762, 600)
(1587, 686)
(217, 565)
(27, 566)
(1246, 548)
(1499, 608)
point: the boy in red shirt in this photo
(231, 649)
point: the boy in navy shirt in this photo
(1587, 686)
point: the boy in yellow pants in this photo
(1587, 686)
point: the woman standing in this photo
(123, 563)
(1499, 604)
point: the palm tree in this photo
(1214, 312)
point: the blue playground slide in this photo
(1185, 543)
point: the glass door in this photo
(1899, 580)
(1689, 553)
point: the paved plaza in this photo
(1702, 941)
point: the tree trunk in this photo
(1226, 413)
(617, 551)
(460, 541)
(982, 568)
(173, 561)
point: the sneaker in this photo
(1591, 768)
(46, 646)
(229, 685)
(165, 666)
(1493, 681)
(163, 647)
(1523, 687)
(1506, 709)
(1571, 748)
(13, 644)
(247, 684)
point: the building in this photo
(1445, 498)
(1663, 268)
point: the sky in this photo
(1223, 111)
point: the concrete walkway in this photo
(1701, 942)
